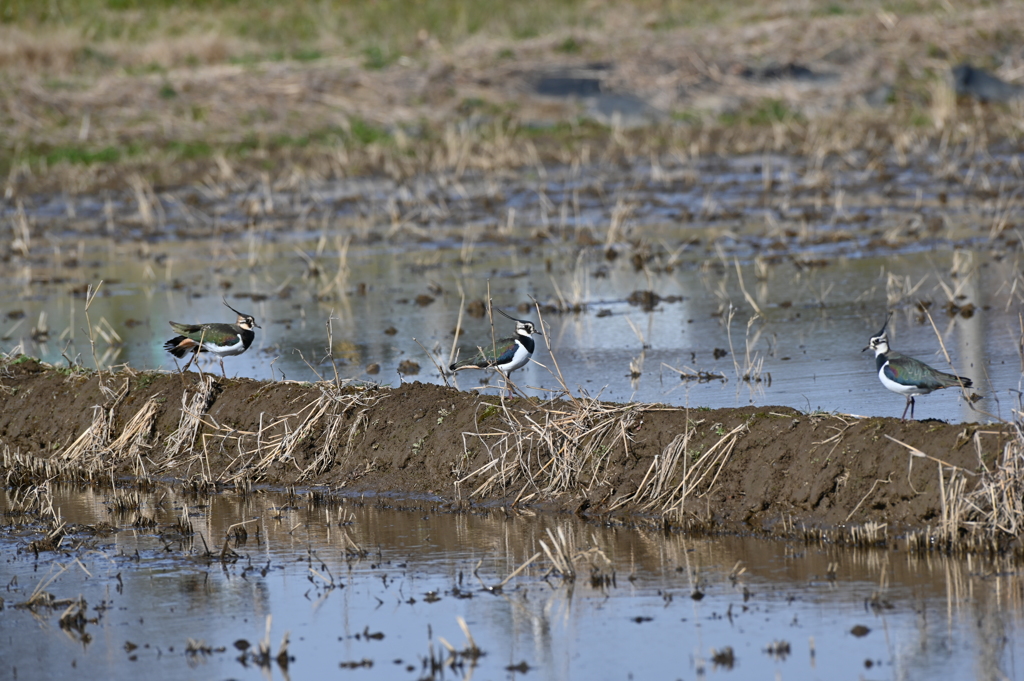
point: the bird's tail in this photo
(179, 346)
(951, 381)
(470, 363)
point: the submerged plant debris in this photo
(443, 593)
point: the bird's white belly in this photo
(899, 387)
(519, 360)
(225, 350)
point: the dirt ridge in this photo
(765, 467)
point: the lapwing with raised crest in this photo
(906, 375)
(222, 340)
(506, 354)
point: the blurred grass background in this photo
(304, 19)
(382, 30)
(93, 92)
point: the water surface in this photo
(769, 294)
(369, 587)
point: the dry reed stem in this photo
(25, 470)
(94, 445)
(90, 296)
(942, 344)
(276, 440)
(339, 405)
(652, 490)
(556, 453)
(674, 464)
(743, 289)
(987, 507)
(192, 409)
(560, 553)
(515, 572)
(132, 440)
(914, 451)
(864, 498)
(562, 448)
(92, 440)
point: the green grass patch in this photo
(89, 55)
(765, 112)
(145, 69)
(919, 119)
(82, 155)
(247, 59)
(570, 46)
(360, 133)
(377, 57)
(477, 105)
(487, 412)
(307, 54)
(559, 128)
(772, 111)
(190, 150)
(365, 133)
(279, 24)
(687, 116)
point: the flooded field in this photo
(769, 275)
(707, 209)
(189, 587)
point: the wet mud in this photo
(770, 469)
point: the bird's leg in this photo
(910, 406)
(195, 354)
(223, 373)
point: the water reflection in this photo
(808, 350)
(370, 582)
(764, 269)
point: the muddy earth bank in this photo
(754, 468)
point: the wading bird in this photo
(507, 355)
(906, 375)
(222, 340)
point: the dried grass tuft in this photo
(678, 477)
(26, 471)
(983, 511)
(551, 450)
(193, 406)
(94, 451)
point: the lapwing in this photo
(507, 354)
(906, 375)
(222, 340)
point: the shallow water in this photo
(370, 583)
(705, 233)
